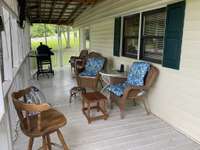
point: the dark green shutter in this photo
(117, 37)
(173, 35)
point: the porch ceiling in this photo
(56, 11)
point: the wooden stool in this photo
(94, 98)
(75, 90)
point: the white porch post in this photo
(75, 39)
(60, 51)
(82, 39)
(68, 37)
(45, 33)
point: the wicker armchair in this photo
(81, 57)
(88, 81)
(134, 92)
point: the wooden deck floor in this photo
(136, 132)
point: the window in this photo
(151, 41)
(152, 37)
(131, 35)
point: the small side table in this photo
(94, 100)
(108, 75)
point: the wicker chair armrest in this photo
(116, 80)
(129, 89)
(79, 65)
(73, 59)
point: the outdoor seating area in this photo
(93, 104)
(148, 131)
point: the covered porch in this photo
(162, 33)
(137, 131)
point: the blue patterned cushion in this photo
(88, 73)
(93, 66)
(137, 73)
(117, 89)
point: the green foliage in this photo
(52, 42)
(38, 30)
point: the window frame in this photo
(124, 38)
(139, 54)
(142, 38)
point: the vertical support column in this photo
(60, 51)
(45, 33)
(68, 37)
(75, 39)
(82, 39)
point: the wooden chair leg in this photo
(44, 141)
(145, 106)
(134, 102)
(30, 145)
(88, 112)
(121, 107)
(49, 142)
(61, 138)
(111, 102)
(98, 105)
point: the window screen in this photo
(131, 35)
(153, 35)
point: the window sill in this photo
(151, 60)
(130, 56)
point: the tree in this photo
(38, 30)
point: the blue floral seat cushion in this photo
(88, 73)
(136, 77)
(92, 67)
(117, 89)
(137, 73)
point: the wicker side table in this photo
(94, 100)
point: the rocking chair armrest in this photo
(131, 88)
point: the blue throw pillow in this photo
(137, 73)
